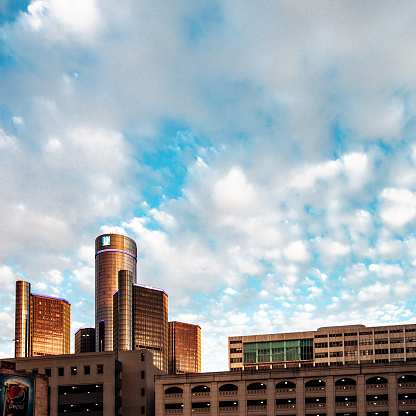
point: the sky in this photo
(261, 154)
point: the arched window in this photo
(407, 378)
(376, 380)
(228, 387)
(286, 385)
(256, 386)
(315, 383)
(200, 389)
(173, 390)
(345, 382)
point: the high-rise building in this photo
(113, 252)
(328, 346)
(85, 340)
(184, 348)
(150, 323)
(141, 319)
(42, 324)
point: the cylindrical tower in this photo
(22, 319)
(113, 252)
(125, 310)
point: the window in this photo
(87, 369)
(35, 371)
(73, 371)
(335, 344)
(142, 411)
(142, 374)
(61, 371)
(48, 372)
(142, 357)
(100, 369)
(143, 392)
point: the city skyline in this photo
(262, 157)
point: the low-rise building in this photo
(337, 345)
(368, 389)
(98, 383)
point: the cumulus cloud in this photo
(261, 178)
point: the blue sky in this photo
(261, 155)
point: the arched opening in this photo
(256, 386)
(345, 382)
(200, 389)
(315, 383)
(407, 378)
(286, 385)
(376, 380)
(173, 390)
(228, 387)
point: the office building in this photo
(366, 389)
(336, 345)
(97, 383)
(141, 319)
(85, 340)
(184, 348)
(113, 252)
(42, 323)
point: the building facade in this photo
(368, 389)
(184, 348)
(42, 323)
(336, 345)
(141, 319)
(85, 340)
(97, 384)
(113, 252)
(22, 393)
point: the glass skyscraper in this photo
(113, 252)
(42, 324)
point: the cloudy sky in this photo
(261, 154)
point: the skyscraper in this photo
(42, 323)
(150, 323)
(184, 348)
(141, 319)
(113, 252)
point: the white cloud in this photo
(386, 271)
(399, 206)
(298, 252)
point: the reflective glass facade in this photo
(150, 323)
(184, 348)
(113, 252)
(22, 319)
(51, 325)
(43, 323)
(275, 351)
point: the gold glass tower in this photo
(150, 323)
(113, 252)
(42, 324)
(184, 348)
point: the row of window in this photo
(286, 384)
(73, 370)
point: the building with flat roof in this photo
(85, 340)
(337, 345)
(42, 323)
(97, 383)
(184, 348)
(141, 319)
(113, 252)
(366, 389)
